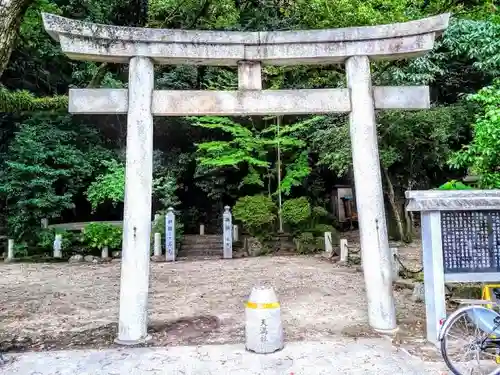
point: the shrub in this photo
(296, 211)
(45, 239)
(257, 213)
(99, 235)
(109, 186)
(455, 185)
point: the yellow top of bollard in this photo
(262, 297)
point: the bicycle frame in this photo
(449, 318)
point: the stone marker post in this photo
(170, 235)
(344, 250)
(105, 252)
(227, 233)
(157, 245)
(10, 250)
(328, 243)
(236, 233)
(44, 223)
(134, 282)
(58, 246)
(202, 230)
(263, 327)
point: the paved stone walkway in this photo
(342, 356)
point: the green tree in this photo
(252, 148)
(413, 147)
(482, 155)
(47, 164)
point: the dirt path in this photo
(54, 306)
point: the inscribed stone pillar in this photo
(227, 233)
(377, 265)
(170, 235)
(137, 210)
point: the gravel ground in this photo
(57, 306)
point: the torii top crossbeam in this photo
(95, 42)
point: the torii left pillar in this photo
(132, 326)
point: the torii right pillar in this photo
(370, 197)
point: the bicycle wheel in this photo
(464, 341)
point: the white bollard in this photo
(236, 233)
(263, 327)
(344, 250)
(328, 243)
(44, 223)
(202, 230)
(10, 250)
(58, 246)
(157, 245)
(105, 252)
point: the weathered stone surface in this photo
(134, 281)
(374, 356)
(243, 103)
(249, 75)
(418, 292)
(442, 200)
(374, 240)
(77, 258)
(158, 258)
(116, 254)
(87, 41)
(91, 259)
(253, 246)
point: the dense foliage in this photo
(72, 168)
(99, 235)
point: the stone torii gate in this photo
(142, 48)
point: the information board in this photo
(470, 241)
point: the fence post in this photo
(58, 246)
(344, 250)
(395, 264)
(227, 234)
(236, 233)
(10, 251)
(105, 252)
(157, 245)
(328, 243)
(170, 235)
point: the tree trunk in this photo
(394, 206)
(11, 15)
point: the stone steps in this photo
(196, 246)
(195, 238)
(199, 253)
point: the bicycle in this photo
(482, 348)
